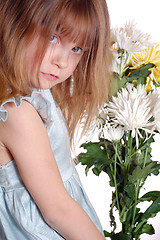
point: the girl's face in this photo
(58, 64)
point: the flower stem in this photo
(145, 158)
(135, 204)
(137, 188)
(129, 152)
(122, 54)
(118, 156)
(115, 182)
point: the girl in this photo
(53, 55)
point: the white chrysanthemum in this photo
(131, 109)
(130, 40)
(103, 117)
(156, 114)
(154, 97)
(144, 39)
(96, 126)
(113, 133)
(98, 123)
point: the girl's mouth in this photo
(49, 77)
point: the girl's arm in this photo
(25, 135)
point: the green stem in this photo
(126, 57)
(129, 152)
(127, 159)
(120, 66)
(145, 158)
(135, 204)
(115, 181)
(136, 198)
(119, 157)
(122, 51)
(106, 147)
(135, 151)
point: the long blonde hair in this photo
(88, 20)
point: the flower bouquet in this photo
(126, 127)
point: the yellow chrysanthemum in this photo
(156, 74)
(149, 55)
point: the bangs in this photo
(77, 22)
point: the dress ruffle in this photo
(3, 111)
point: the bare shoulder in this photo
(24, 112)
(21, 122)
(20, 116)
(18, 123)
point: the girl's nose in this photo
(60, 58)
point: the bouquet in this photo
(126, 126)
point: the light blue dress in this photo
(20, 218)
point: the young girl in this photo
(54, 55)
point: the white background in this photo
(146, 14)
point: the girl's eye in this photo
(54, 39)
(77, 50)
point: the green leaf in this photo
(140, 74)
(95, 157)
(148, 228)
(129, 216)
(126, 201)
(117, 84)
(130, 189)
(152, 210)
(97, 170)
(142, 173)
(147, 143)
(121, 236)
(93, 152)
(143, 228)
(107, 234)
(150, 196)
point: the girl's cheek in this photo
(76, 58)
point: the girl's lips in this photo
(50, 77)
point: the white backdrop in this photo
(146, 14)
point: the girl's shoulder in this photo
(15, 109)
(7, 108)
(39, 99)
(17, 118)
(15, 114)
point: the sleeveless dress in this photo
(20, 218)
